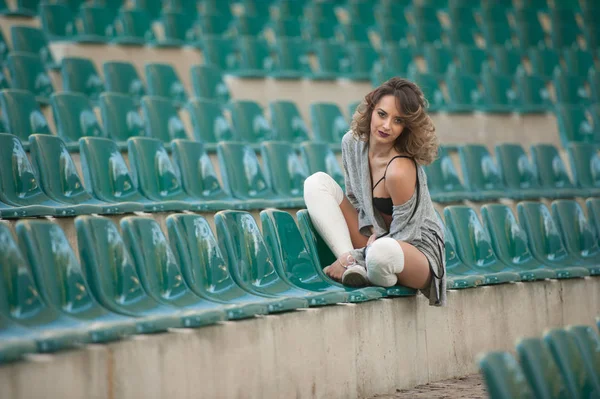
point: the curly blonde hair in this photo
(418, 139)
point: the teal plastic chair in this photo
(162, 119)
(503, 376)
(554, 179)
(204, 269)
(511, 244)
(322, 256)
(209, 125)
(431, 89)
(391, 32)
(122, 77)
(540, 369)
(499, 95)
(532, 94)
(28, 39)
(215, 7)
(21, 115)
(358, 61)
(594, 84)
(471, 59)
(290, 9)
(497, 34)
(161, 276)
(120, 118)
(254, 58)
(593, 209)
(395, 56)
(570, 89)
(327, 122)
(249, 121)
(27, 72)
(574, 125)
(332, 61)
(319, 31)
(97, 24)
(443, 181)
(355, 32)
(79, 75)
(507, 61)
(320, 11)
(208, 83)
(318, 157)
(530, 34)
(286, 28)
(257, 8)
(290, 59)
(463, 91)
(61, 282)
(57, 22)
(153, 7)
(284, 170)
(74, 117)
(178, 29)
(214, 25)
(543, 61)
(579, 236)
(425, 33)
(519, 174)
(133, 27)
(22, 8)
(588, 342)
(220, 51)
(579, 62)
(156, 177)
(481, 174)
(545, 239)
(461, 35)
(474, 246)
(287, 122)
(585, 166)
(21, 302)
(163, 82)
(565, 35)
(198, 177)
(114, 280)
(291, 260)
(15, 340)
(251, 265)
(581, 382)
(59, 178)
(438, 58)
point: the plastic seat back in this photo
(332, 61)
(21, 115)
(578, 234)
(57, 21)
(438, 58)
(570, 89)
(74, 117)
(327, 122)
(497, 34)
(221, 52)
(498, 93)
(290, 59)
(585, 165)
(134, 27)
(540, 369)
(287, 121)
(574, 125)
(530, 34)
(579, 62)
(518, 172)
(208, 83)
(503, 376)
(27, 72)
(120, 117)
(431, 89)
(28, 39)
(80, 75)
(588, 342)
(506, 61)
(551, 168)
(533, 96)
(283, 168)
(122, 77)
(464, 91)
(318, 157)
(360, 58)
(470, 59)
(480, 171)
(178, 28)
(543, 61)
(153, 7)
(97, 24)
(162, 119)
(254, 57)
(249, 122)
(208, 121)
(442, 176)
(164, 82)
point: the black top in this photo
(385, 205)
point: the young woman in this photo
(384, 231)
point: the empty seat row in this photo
(564, 363)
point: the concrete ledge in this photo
(342, 351)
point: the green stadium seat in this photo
(162, 119)
(530, 35)
(580, 382)
(252, 266)
(481, 175)
(79, 75)
(286, 28)
(215, 7)
(461, 35)
(470, 59)
(425, 33)
(23, 9)
(4, 50)
(498, 93)
(579, 62)
(249, 121)
(462, 15)
(321, 256)
(361, 57)
(320, 11)
(28, 73)
(443, 181)
(519, 174)
(392, 32)
(579, 236)
(463, 91)
(178, 28)
(28, 39)
(540, 369)
(289, 9)
(497, 35)
(160, 274)
(355, 32)
(543, 62)
(61, 282)
(257, 7)
(21, 115)
(97, 24)
(220, 52)
(74, 118)
(570, 89)
(425, 13)
(552, 172)
(287, 122)
(591, 34)
(593, 209)
(254, 58)
(284, 170)
(133, 27)
(594, 83)
(153, 7)
(588, 342)
(327, 122)
(249, 25)
(57, 22)
(318, 157)
(209, 125)
(511, 245)
(246, 180)
(438, 58)
(204, 269)
(585, 167)
(198, 177)
(332, 61)
(208, 83)
(107, 176)
(122, 77)
(163, 81)
(431, 89)
(120, 117)
(532, 94)
(213, 25)
(476, 254)
(290, 59)
(21, 302)
(156, 176)
(395, 57)
(15, 340)
(507, 61)
(545, 239)
(503, 376)
(361, 11)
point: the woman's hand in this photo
(337, 269)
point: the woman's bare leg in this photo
(416, 273)
(351, 216)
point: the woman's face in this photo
(386, 122)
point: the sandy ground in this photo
(471, 386)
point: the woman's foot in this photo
(355, 276)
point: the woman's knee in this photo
(321, 182)
(385, 259)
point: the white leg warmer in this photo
(323, 196)
(385, 258)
